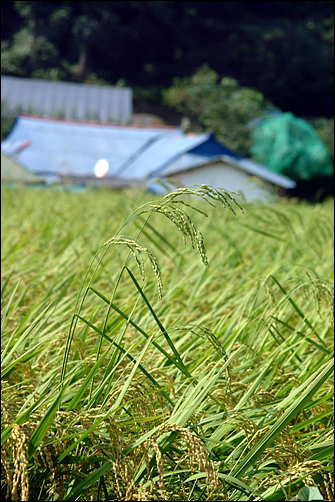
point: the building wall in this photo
(68, 99)
(224, 176)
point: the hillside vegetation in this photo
(220, 390)
(285, 50)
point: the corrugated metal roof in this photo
(71, 148)
(195, 155)
(161, 153)
(67, 99)
(61, 147)
(11, 171)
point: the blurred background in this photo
(258, 74)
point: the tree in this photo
(7, 119)
(218, 105)
(283, 49)
(325, 129)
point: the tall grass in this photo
(168, 371)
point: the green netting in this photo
(290, 146)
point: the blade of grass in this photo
(27, 331)
(10, 301)
(312, 420)
(113, 409)
(316, 345)
(272, 327)
(140, 330)
(194, 396)
(267, 234)
(144, 371)
(30, 354)
(236, 483)
(314, 383)
(161, 327)
(88, 481)
(297, 309)
(81, 391)
(43, 426)
(4, 286)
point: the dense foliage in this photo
(221, 64)
(325, 129)
(282, 49)
(7, 119)
(221, 390)
(221, 106)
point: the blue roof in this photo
(212, 147)
(161, 153)
(58, 147)
(61, 147)
(195, 155)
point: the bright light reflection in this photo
(101, 168)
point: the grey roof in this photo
(57, 147)
(191, 161)
(67, 99)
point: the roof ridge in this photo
(96, 122)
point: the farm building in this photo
(67, 99)
(230, 173)
(90, 153)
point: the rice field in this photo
(153, 352)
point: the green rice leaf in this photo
(315, 382)
(144, 371)
(161, 327)
(44, 425)
(140, 330)
(88, 481)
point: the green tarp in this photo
(12, 172)
(289, 145)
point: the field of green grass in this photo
(221, 389)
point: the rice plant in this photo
(178, 367)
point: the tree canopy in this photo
(282, 49)
(221, 106)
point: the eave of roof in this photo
(243, 164)
(162, 153)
